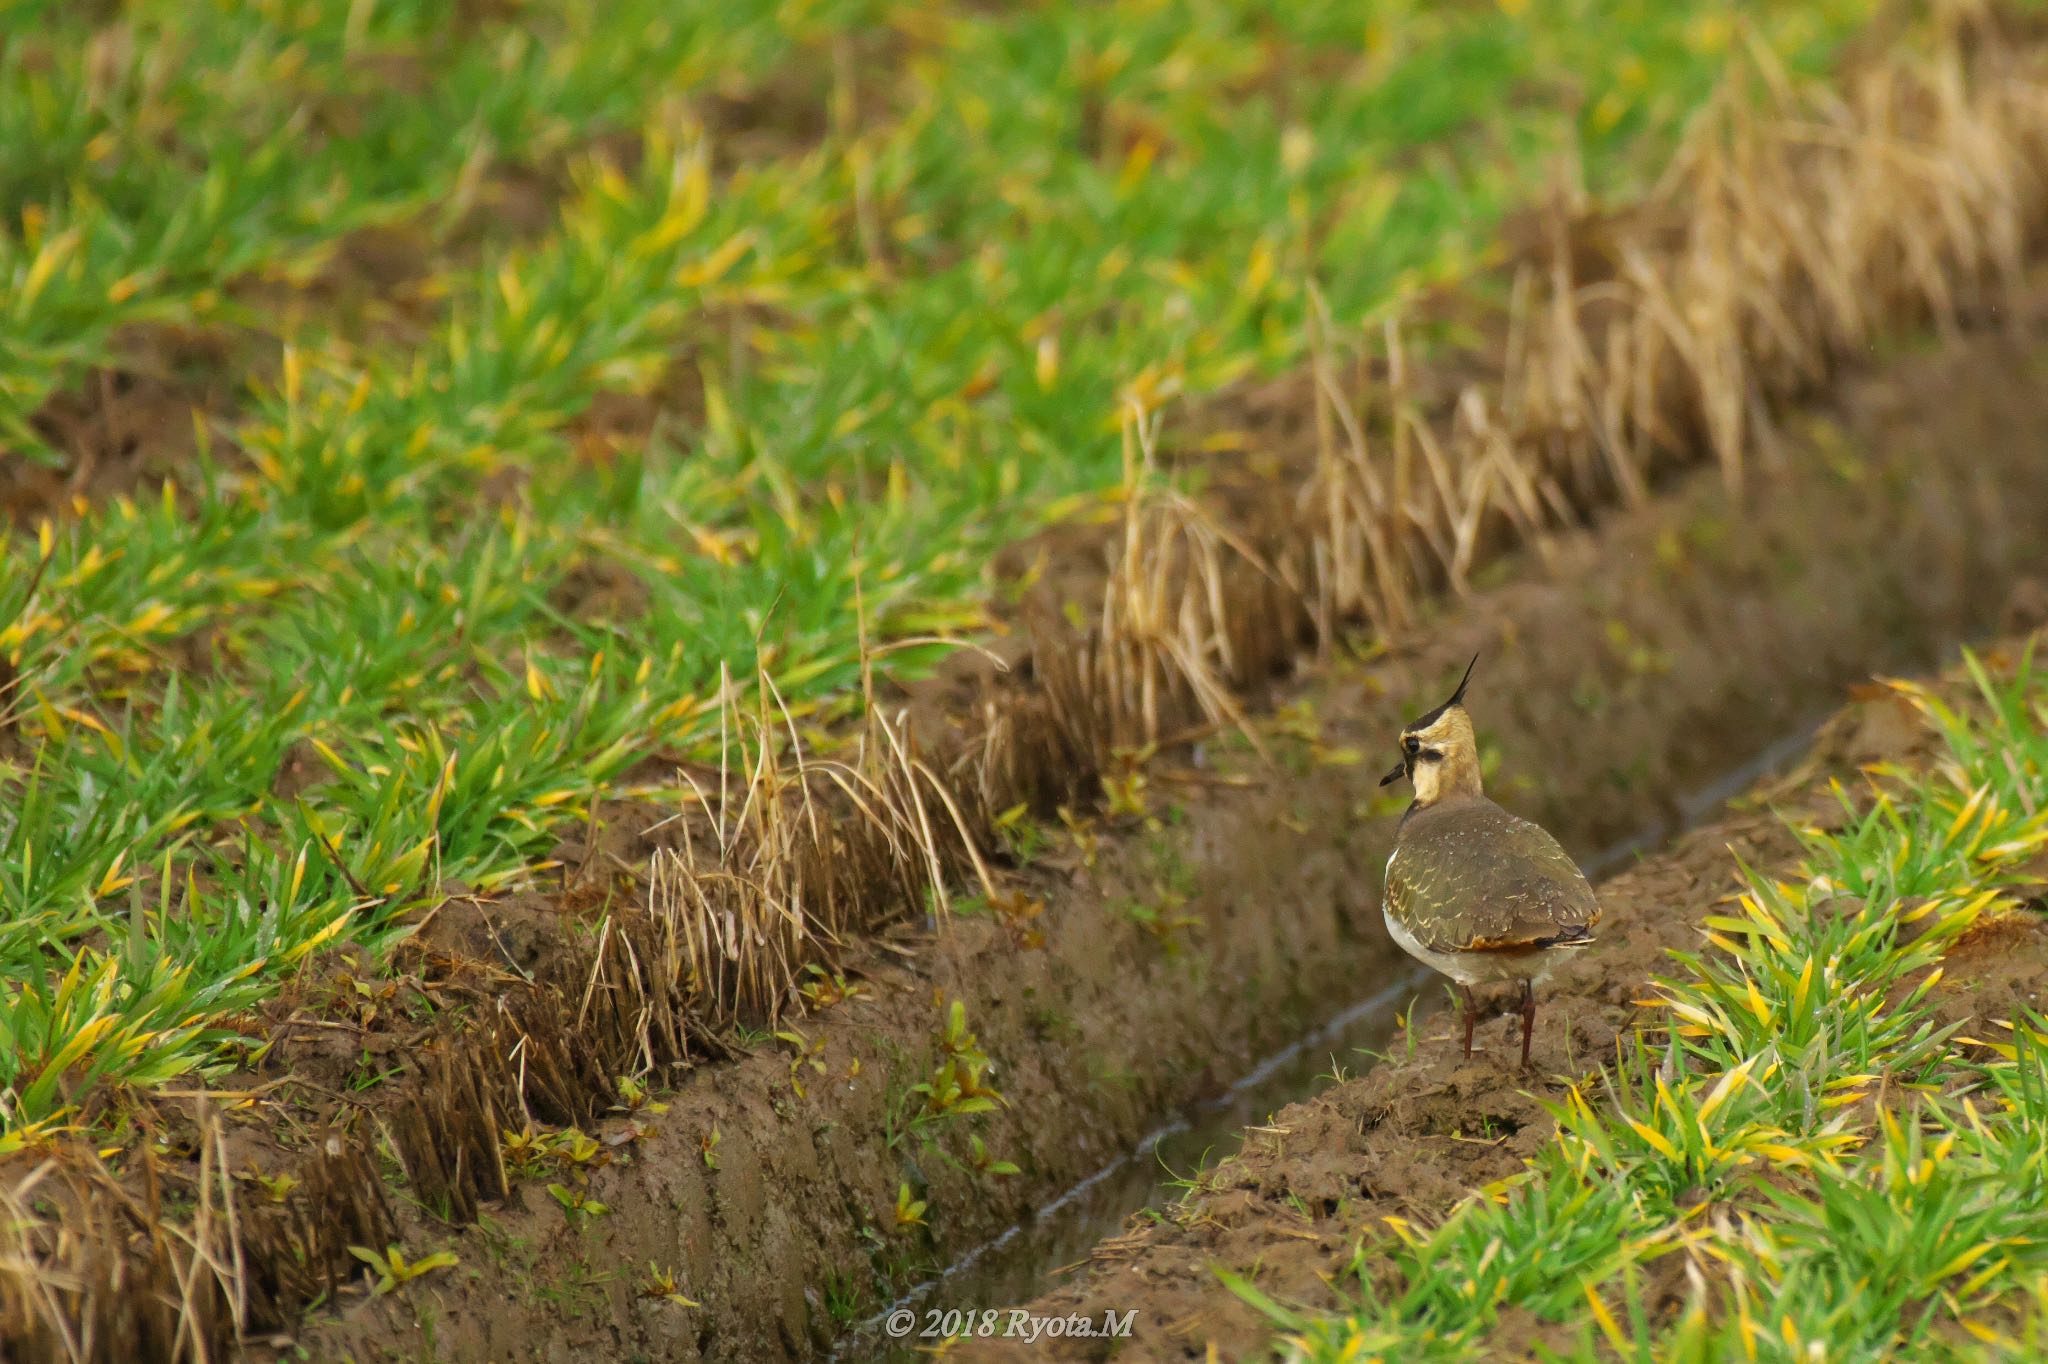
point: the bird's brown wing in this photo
(1474, 878)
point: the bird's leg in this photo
(1471, 1016)
(1528, 1019)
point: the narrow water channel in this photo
(1026, 1260)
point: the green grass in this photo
(1843, 1179)
(158, 161)
(910, 338)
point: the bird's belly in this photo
(1470, 968)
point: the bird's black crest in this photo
(1457, 699)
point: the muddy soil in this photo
(126, 426)
(1623, 665)
(1414, 1134)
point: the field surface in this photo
(415, 411)
(787, 571)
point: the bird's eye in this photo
(1411, 745)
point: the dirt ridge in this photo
(1689, 621)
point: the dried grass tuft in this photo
(1789, 238)
(96, 1267)
(803, 853)
(1191, 615)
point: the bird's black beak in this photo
(1400, 771)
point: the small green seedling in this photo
(958, 1086)
(910, 1210)
(278, 1186)
(575, 1147)
(1123, 795)
(1087, 841)
(634, 1096)
(525, 1150)
(393, 1269)
(661, 1283)
(826, 988)
(983, 1163)
(576, 1200)
(807, 1053)
(1023, 837)
(1017, 911)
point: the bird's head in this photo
(1438, 751)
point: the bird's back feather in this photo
(1467, 876)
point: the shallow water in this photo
(1024, 1261)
